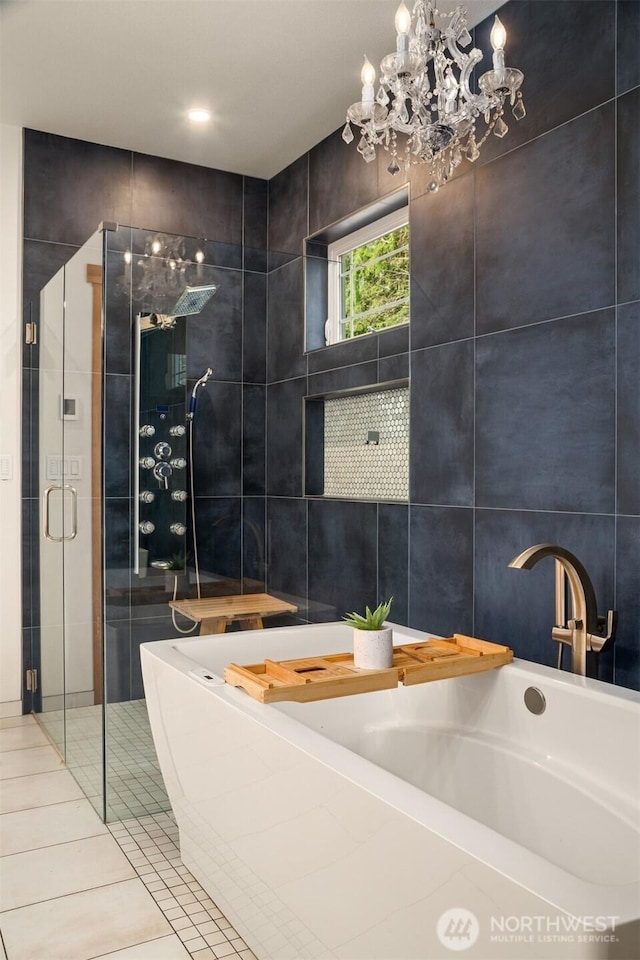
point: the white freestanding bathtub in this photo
(410, 823)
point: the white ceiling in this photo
(277, 75)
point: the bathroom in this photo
(520, 358)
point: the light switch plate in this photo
(6, 466)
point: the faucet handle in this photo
(606, 630)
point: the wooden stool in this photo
(214, 613)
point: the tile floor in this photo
(134, 782)
(73, 889)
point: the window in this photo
(369, 279)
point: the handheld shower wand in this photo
(193, 400)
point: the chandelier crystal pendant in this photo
(424, 95)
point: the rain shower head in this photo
(192, 300)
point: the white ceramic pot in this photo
(373, 649)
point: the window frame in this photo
(343, 245)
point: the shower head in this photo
(192, 300)
(194, 393)
(201, 382)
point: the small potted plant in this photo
(372, 641)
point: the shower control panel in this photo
(161, 520)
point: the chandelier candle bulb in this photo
(368, 77)
(498, 39)
(403, 25)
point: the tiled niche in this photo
(358, 444)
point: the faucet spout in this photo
(585, 626)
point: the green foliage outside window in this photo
(375, 284)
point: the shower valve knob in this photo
(147, 496)
(177, 431)
(178, 463)
(147, 463)
(178, 528)
(162, 470)
(162, 450)
(179, 495)
(147, 430)
(146, 526)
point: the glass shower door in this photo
(70, 484)
(53, 525)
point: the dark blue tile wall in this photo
(547, 211)
(70, 187)
(523, 352)
(543, 442)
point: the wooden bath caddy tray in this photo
(335, 675)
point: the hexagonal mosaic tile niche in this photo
(366, 446)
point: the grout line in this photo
(546, 133)
(75, 893)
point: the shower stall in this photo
(122, 398)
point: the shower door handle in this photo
(74, 512)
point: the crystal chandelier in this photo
(158, 277)
(424, 95)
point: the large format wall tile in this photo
(219, 525)
(41, 261)
(72, 186)
(546, 226)
(344, 354)
(516, 607)
(285, 322)
(184, 198)
(214, 336)
(254, 547)
(254, 339)
(628, 224)
(117, 557)
(628, 439)
(284, 437)
(628, 61)
(254, 410)
(627, 644)
(343, 378)
(117, 435)
(288, 192)
(342, 558)
(331, 197)
(441, 569)
(545, 416)
(566, 50)
(217, 440)
(287, 547)
(442, 265)
(393, 556)
(116, 332)
(256, 208)
(442, 424)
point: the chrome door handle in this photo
(74, 512)
(45, 513)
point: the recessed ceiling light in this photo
(198, 115)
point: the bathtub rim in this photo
(560, 888)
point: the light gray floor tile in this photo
(88, 924)
(25, 735)
(65, 868)
(167, 948)
(46, 826)
(22, 763)
(38, 790)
